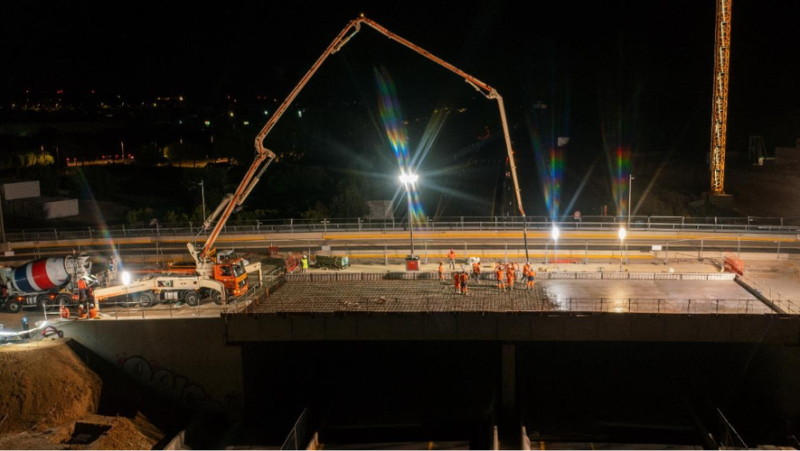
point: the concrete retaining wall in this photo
(184, 359)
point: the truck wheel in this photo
(192, 298)
(14, 306)
(145, 300)
(63, 300)
(44, 302)
(217, 297)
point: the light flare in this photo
(392, 118)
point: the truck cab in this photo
(232, 273)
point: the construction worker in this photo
(464, 283)
(452, 256)
(81, 312)
(64, 311)
(304, 262)
(457, 281)
(476, 272)
(531, 278)
(82, 289)
(498, 272)
(510, 275)
(441, 272)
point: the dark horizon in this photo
(615, 76)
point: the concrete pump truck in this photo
(221, 278)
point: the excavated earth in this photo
(49, 400)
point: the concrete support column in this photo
(509, 379)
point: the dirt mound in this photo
(44, 387)
(91, 432)
(49, 399)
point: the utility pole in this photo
(203, 195)
(2, 223)
(630, 191)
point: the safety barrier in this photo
(491, 223)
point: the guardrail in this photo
(491, 223)
(773, 295)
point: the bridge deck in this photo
(421, 296)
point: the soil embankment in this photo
(49, 399)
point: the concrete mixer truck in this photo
(44, 282)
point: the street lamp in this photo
(554, 232)
(407, 180)
(621, 234)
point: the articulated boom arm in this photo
(479, 86)
(264, 156)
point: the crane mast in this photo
(265, 156)
(719, 114)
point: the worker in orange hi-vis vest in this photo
(510, 276)
(457, 281)
(531, 278)
(452, 256)
(476, 272)
(82, 289)
(464, 283)
(498, 271)
(441, 272)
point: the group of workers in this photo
(506, 275)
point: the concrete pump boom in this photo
(265, 156)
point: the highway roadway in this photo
(376, 245)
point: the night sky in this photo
(632, 72)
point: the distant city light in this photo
(299, 113)
(266, 113)
(230, 113)
(208, 123)
(246, 122)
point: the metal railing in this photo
(254, 293)
(773, 295)
(300, 435)
(749, 224)
(499, 304)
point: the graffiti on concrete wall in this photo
(170, 385)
